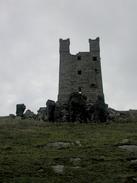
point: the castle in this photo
(80, 73)
(80, 96)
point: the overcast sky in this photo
(29, 48)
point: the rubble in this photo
(78, 109)
(42, 114)
(29, 114)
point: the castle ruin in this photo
(80, 73)
(80, 96)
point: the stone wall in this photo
(80, 72)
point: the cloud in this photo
(29, 56)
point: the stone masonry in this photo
(80, 73)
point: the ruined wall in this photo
(80, 72)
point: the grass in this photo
(25, 157)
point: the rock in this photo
(125, 141)
(50, 110)
(134, 162)
(113, 114)
(135, 179)
(133, 114)
(59, 169)
(12, 116)
(20, 108)
(42, 114)
(130, 115)
(77, 142)
(29, 114)
(129, 148)
(41, 170)
(75, 161)
(60, 145)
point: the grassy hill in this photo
(30, 151)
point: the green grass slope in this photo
(26, 157)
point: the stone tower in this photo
(80, 72)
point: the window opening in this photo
(93, 85)
(94, 58)
(79, 57)
(79, 72)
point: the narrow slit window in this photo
(93, 85)
(79, 57)
(94, 58)
(79, 72)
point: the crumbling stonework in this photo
(20, 108)
(29, 114)
(80, 73)
(42, 114)
(80, 96)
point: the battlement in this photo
(65, 45)
(94, 44)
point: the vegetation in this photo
(25, 156)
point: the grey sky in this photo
(29, 43)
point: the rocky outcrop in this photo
(20, 108)
(115, 115)
(29, 114)
(42, 114)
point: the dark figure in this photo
(77, 107)
(20, 108)
(100, 110)
(50, 110)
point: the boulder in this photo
(20, 108)
(50, 110)
(42, 114)
(59, 169)
(29, 114)
(12, 116)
